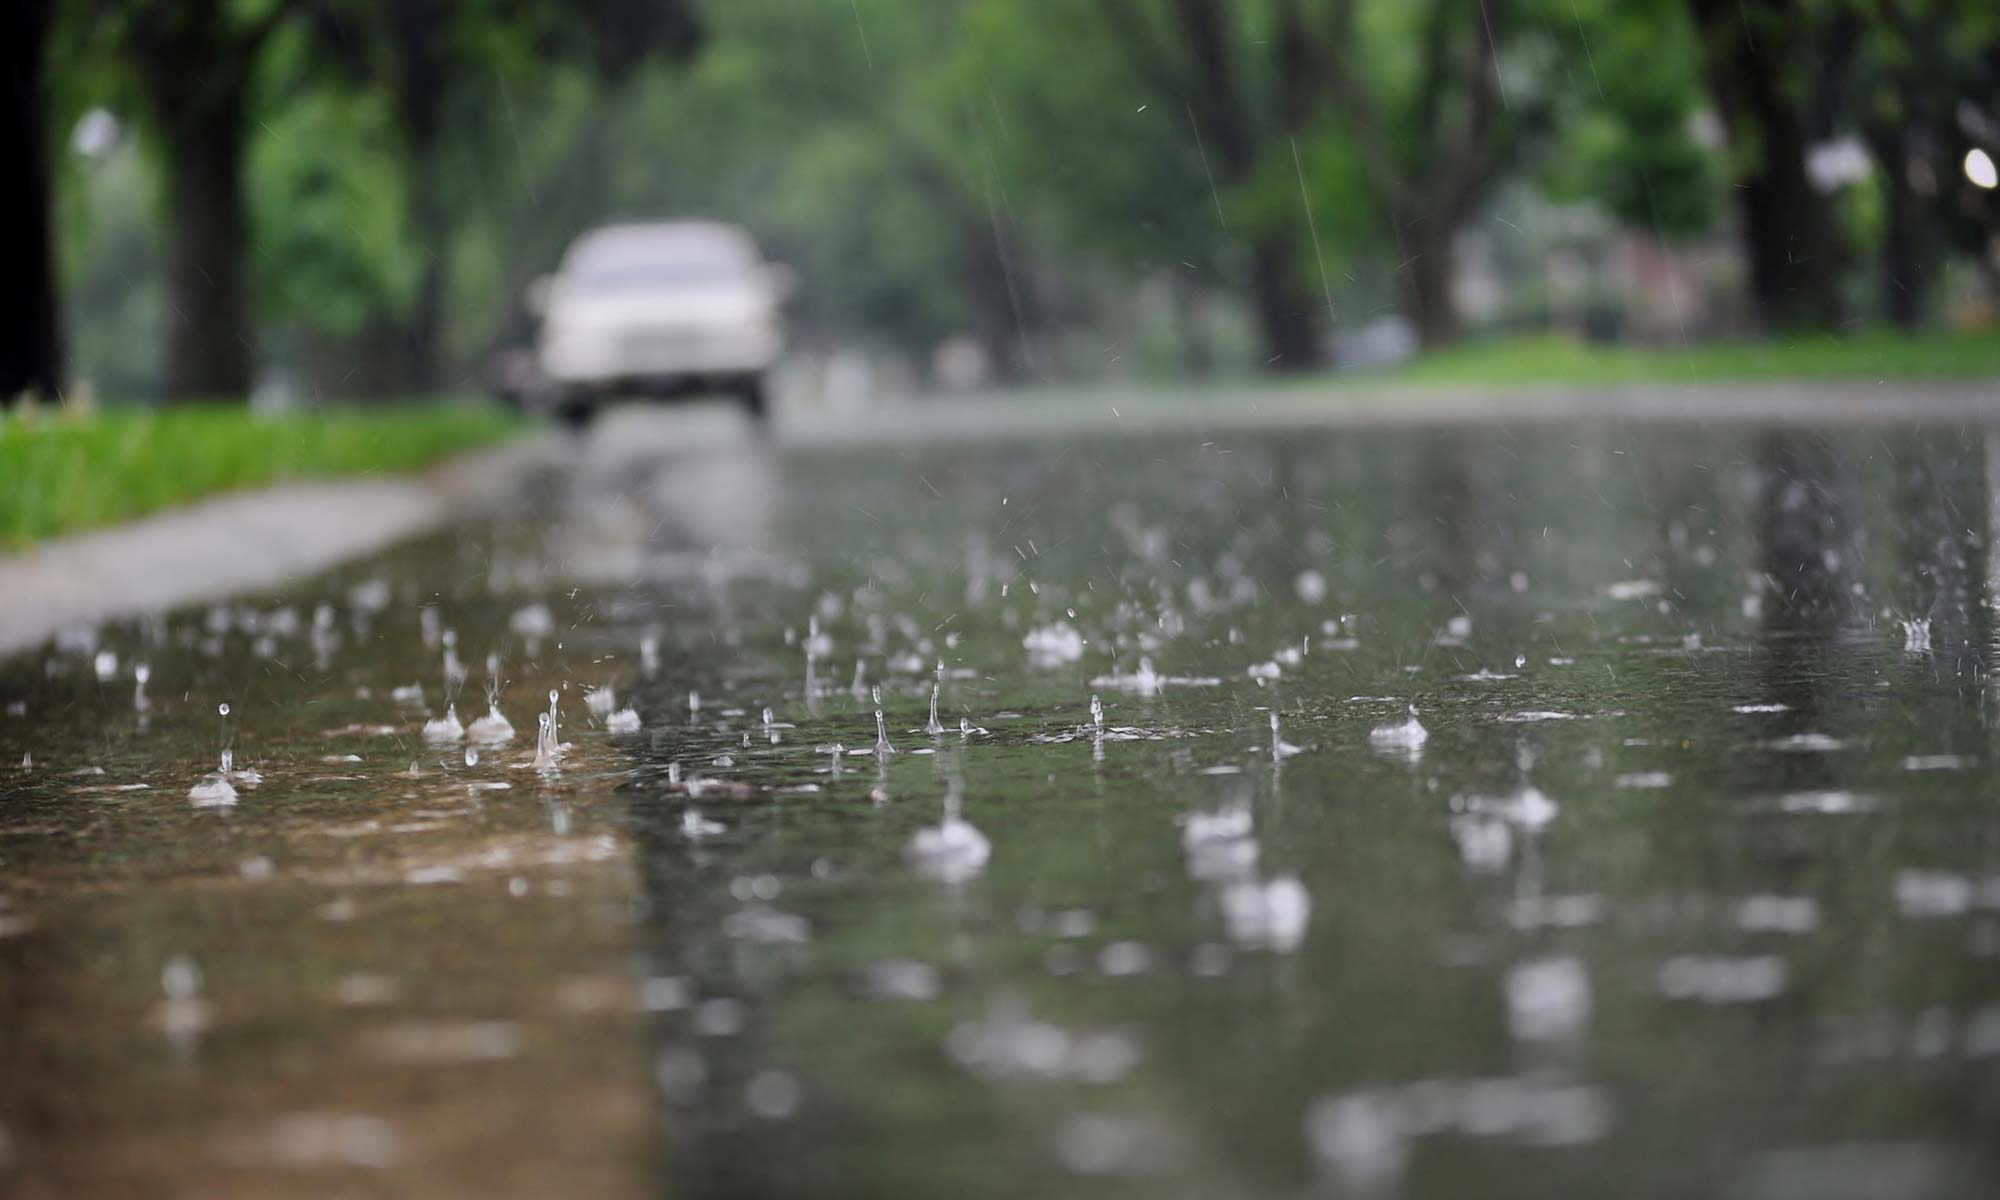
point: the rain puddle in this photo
(1489, 812)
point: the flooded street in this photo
(1553, 809)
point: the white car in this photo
(662, 310)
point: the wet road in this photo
(1684, 880)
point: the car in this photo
(662, 310)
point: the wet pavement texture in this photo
(1684, 879)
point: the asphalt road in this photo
(1177, 805)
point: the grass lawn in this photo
(60, 473)
(1862, 357)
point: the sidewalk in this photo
(238, 542)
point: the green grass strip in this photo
(1863, 358)
(63, 472)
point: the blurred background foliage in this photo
(349, 198)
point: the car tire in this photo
(751, 394)
(576, 410)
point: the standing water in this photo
(1681, 883)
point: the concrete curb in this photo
(239, 541)
(1137, 408)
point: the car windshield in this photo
(644, 259)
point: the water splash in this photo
(1053, 645)
(1527, 807)
(883, 748)
(547, 748)
(1270, 915)
(213, 791)
(533, 622)
(1147, 682)
(951, 851)
(445, 729)
(216, 789)
(492, 728)
(182, 1013)
(1548, 1000)
(1280, 748)
(935, 727)
(694, 826)
(454, 670)
(1407, 736)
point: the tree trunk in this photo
(1788, 230)
(1427, 281)
(1197, 357)
(422, 369)
(1902, 284)
(423, 332)
(1902, 287)
(1001, 313)
(1284, 312)
(420, 73)
(204, 131)
(30, 337)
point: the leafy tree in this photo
(194, 69)
(1758, 60)
(1920, 81)
(888, 182)
(1626, 127)
(437, 63)
(1443, 100)
(191, 66)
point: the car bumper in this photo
(661, 355)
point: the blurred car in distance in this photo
(658, 310)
